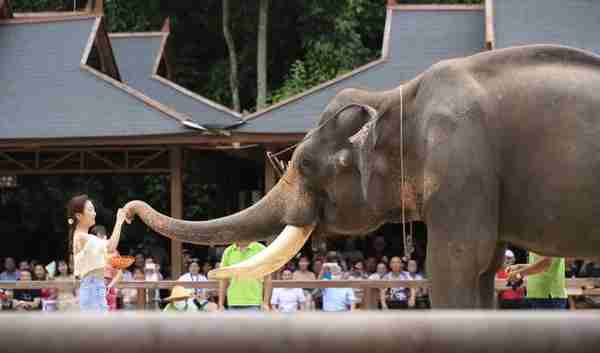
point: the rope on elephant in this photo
(405, 236)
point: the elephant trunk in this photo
(258, 222)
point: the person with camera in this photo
(545, 281)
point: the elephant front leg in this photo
(461, 254)
(462, 218)
(463, 248)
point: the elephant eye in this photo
(305, 163)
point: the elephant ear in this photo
(364, 143)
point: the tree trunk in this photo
(261, 57)
(233, 65)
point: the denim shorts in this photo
(92, 294)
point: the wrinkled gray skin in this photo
(501, 147)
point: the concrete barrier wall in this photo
(402, 331)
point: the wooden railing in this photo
(575, 287)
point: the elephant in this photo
(501, 147)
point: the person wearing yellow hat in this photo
(182, 300)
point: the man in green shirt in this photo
(243, 294)
(546, 282)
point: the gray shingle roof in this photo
(417, 40)
(136, 57)
(45, 94)
(568, 22)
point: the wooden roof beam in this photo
(5, 9)
(166, 28)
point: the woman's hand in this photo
(122, 217)
(517, 267)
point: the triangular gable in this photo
(70, 103)
(163, 67)
(98, 52)
(145, 64)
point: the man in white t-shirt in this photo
(194, 275)
(287, 300)
(337, 299)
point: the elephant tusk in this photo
(285, 246)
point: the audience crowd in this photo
(350, 264)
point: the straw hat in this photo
(179, 293)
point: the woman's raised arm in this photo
(113, 242)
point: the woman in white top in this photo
(194, 275)
(90, 252)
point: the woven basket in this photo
(122, 262)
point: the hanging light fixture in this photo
(8, 181)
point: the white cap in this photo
(509, 253)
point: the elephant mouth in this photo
(287, 244)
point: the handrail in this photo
(371, 288)
(571, 284)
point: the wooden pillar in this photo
(176, 164)
(95, 6)
(370, 298)
(490, 35)
(141, 298)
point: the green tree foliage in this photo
(42, 5)
(132, 16)
(337, 37)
